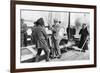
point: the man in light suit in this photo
(55, 38)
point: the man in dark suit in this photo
(84, 36)
(40, 38)
(71, 31)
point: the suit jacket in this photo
(55, 29)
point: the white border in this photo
(53, 64)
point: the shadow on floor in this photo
(42, 57)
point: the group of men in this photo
(40, 38)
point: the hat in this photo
(40, 21)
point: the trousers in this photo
(46, 51)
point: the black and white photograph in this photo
(49, 36)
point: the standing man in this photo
(84, 37)
(55, 38)
(40, 37)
